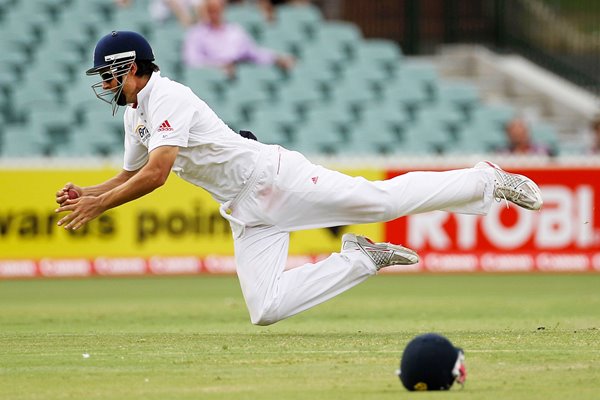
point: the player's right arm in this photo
(136, 156)
(62, 195)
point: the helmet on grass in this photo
(114, 56)
(431, 362)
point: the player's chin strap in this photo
(459, 372)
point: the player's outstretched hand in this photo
(69, 191)
(81, 210)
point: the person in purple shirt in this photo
(217, 43)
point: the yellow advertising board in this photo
(177, 219)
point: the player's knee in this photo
(263, 316)
(263, 319)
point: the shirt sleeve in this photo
(135, 154)
(171, 121)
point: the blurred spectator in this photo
(595, 125)
(217, 43)
(268, 6)
(163, 10)
(520, 141)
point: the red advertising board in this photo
(129, 266)
(563, 236)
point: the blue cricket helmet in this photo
(119, 46)
(431, 362)
(114, 57)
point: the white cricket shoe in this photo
(517, 189)
(382, 254)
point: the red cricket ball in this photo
(72, 193)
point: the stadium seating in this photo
(339, 34)
(346, 94)
(303, 18)
(247, 16)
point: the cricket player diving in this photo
(264, 191)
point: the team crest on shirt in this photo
(143, 133)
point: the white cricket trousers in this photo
(286, 193)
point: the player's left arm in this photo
(152, 176)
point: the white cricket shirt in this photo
(211, 155)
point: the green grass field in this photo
(525, 337)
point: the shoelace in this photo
(499, 199)
(507, 183)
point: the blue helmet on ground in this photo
(431, 362)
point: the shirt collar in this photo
(146, 90)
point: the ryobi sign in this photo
(566, 230)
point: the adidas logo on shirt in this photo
(165, 126)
